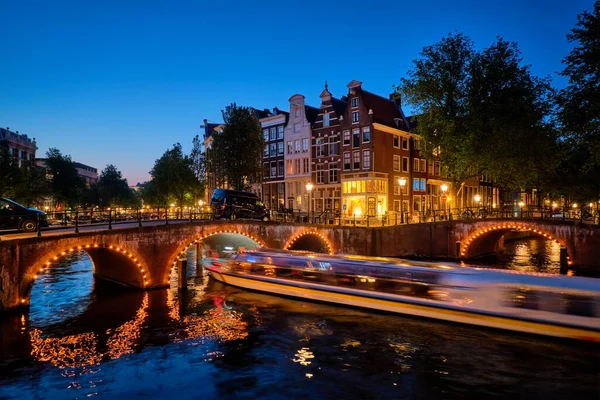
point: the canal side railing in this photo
(87, 217)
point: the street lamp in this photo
(402, 183)
(309, 188)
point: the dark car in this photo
(233, 204)
(15, 216)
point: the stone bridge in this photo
(143, 257)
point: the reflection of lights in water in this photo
(350, 343)
(126, 336)
(67, 352)
(303, 356)
(216, 324)
(80, 351)
(405, 352)
(173, 304)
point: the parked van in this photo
(233, 204)
(15, 216)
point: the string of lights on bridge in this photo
(88, 246)
(483, 231)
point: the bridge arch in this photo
(181, 251)
(309, 240)
(132, 271)
(488, 238)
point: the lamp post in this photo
(521, 204)
(402, 183)
(309, 187)
(444, 189)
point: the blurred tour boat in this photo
(544, 304)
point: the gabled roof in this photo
(209, 128)
(261, 113)
(311, 113)
(385, 111)
(339, 106)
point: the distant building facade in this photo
(20, 146)
(89, 174)
(273, 186)
(326, 161)
(297, 136)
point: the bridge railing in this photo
(329, 217)
(81, 217)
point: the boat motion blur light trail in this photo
(543, 304)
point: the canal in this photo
(85, 338)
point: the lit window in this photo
(415, 184)
(423, 185)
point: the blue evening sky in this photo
(118, 82)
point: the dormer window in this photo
(354, 102)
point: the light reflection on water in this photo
(217, 341)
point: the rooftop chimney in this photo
(397, 99)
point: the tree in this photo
(66, 186)
(482, 112)
(199, 168)
(9, 172)
(236, 153)
(173, 178)
(32, 185)
(579, 109)
(113, 189)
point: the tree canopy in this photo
(236, 153)
(482, 112)
(579, 111)
(173, 179)
(113, 189)
(65, 183)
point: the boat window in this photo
(523, 298)
(579, 305)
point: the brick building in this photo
(20, 146)
(273, 186)
(326, 156)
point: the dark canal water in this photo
(82, 339)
